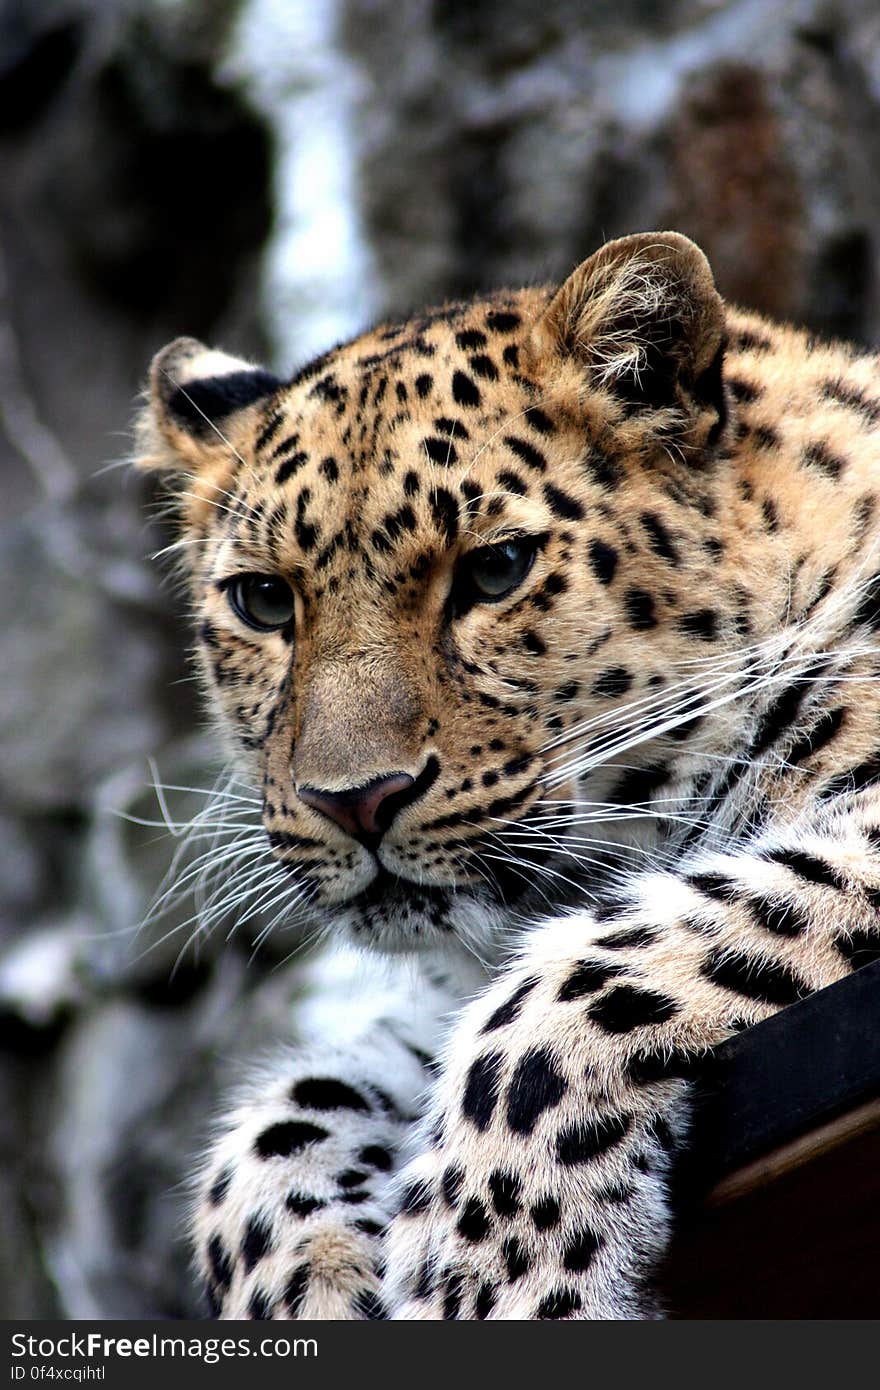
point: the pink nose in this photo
(364, 812)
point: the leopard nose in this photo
(365, 812)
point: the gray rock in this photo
(500, 144)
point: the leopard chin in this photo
(397, 915)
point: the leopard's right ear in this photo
(198, 405)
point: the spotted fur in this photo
(626, 808)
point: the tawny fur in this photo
(649, 773)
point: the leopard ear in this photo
(195, 406)
(644, 318)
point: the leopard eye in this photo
(490, 573)
(263, 601)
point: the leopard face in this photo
(429, 569)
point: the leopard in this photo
(544, 626)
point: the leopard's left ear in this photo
(198, 401)
(644, 318)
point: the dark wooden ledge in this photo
(781, 1210)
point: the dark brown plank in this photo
(794, 1235)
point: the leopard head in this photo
(429, 570)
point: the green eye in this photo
(262, 601)
(490, 573)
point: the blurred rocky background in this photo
(270, 175)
